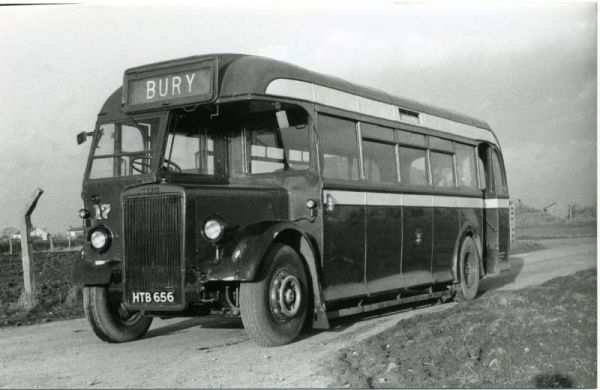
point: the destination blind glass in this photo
(173, 86)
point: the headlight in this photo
(84, 214)
(213, 229)
(99, 238)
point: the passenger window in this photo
(379, 162)
(440, 144)
(465, 165)
(340, 148)
(413, 168)
(408, 138)
(368, 130)
(499, 179)
(442, 170)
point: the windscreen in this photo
(124, 148)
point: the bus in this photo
(238, 185)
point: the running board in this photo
(385, 304)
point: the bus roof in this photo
(240, 75)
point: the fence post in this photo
(10, 252)
(28, 298)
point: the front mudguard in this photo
(89, 274)
(242, 257)
(241, 254)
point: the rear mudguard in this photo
(241, 257)
(468, 229)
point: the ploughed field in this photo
(57, 297)
(542, 336)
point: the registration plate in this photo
(152, 297)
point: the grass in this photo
(543, 336)
(525, 246)
(556, 231)
(57, 297)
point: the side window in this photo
(279, 141)
(266, 153)
(379, 162)
(442, 170)
(296, 137)
(106, 141)
(413, 167)
(340, 148)
(499, 179)
(465, 165)
(105, 167)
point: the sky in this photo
(528, 69)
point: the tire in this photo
(468, 270)
(274, 308)
(109, 320)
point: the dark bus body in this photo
(238, 185)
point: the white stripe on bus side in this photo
(359, 198)
(496, 203)
(346, 101)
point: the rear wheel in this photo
(468, 269)
(274, 308)
(110, 320)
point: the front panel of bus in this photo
(156, 179)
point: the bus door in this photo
(344, 210)
(495, 210)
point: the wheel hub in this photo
(469, 274)
(125, 316)
(285, 296)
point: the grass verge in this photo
(543, 336)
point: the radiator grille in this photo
(153, 233)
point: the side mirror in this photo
(82, 137)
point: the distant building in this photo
(74, 232)
(35, 233)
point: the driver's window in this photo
(266, 153)
(124, 149)
(107, 134)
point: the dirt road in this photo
(217, 352)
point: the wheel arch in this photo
(469, 229)
(305, 245)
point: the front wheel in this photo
(110, 320)
(468, 270)
(274, 308)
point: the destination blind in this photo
(173, 86)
